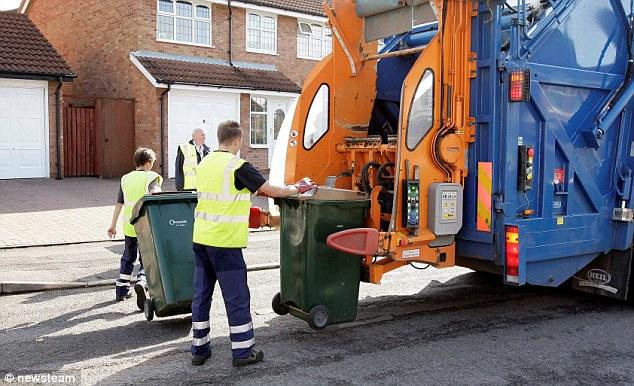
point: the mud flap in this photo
(608, 275)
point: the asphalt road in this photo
(430, 327)
(98, 261)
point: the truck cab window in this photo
(421, 115)
(317, 120)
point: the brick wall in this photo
(52, 130)
(286, 60)
(96, 37)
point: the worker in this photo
(225, 184)
(133, 186)
(188, 156)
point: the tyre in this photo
(279, 307)
(318, 317)
(148, 309)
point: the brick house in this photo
(198, 61)
(31, 74)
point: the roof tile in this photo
(312, 7)
(25, 51)
(171, 71)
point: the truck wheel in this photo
(148, 309)
(279, 307)
(318, 317)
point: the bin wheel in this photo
(318, 317)
(279, 307)
(148, 309)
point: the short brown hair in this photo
(143, 155)
(228, 131)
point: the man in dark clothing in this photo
(188, 156)
(221, 229)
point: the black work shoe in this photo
(140, 295)
(256, 356)
(122, 298)
(198, 360)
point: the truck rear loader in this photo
(488, 135)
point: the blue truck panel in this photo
(577, 121)
(577, 54)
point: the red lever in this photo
(358, 241)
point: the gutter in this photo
(169, 87)
(58, 126)
(230, 33)
(219, 87)
(29, 76)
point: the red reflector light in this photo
(512, 254)
(512, 249)
(520, 86)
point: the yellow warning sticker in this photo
(560, 220)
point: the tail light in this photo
(512, 255)
(520, 86)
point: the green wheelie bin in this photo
(164, 224)
(319, 284)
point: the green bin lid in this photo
(159, 198)
(329, 196)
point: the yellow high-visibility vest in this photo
(190, 160)
(135, 185)
(222, 213)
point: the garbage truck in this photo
(485, 134)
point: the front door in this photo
(277, 113)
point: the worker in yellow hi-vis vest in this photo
(134, 186)
(188, 156)
(221, 228)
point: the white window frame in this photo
(247, 28)
(322, 38)
(194, 18)
(266, 115)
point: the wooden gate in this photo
(80, 141)
(115, 136)
(98, 136)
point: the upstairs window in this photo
(184, 22)
(261, 33)
(314, 40)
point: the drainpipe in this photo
(230, 32)
(58, 126)
(169, 87)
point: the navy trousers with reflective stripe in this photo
(225, 265)
(127, 265)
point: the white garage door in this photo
(189, 110)
(23, 129)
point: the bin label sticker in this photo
(410, 253)
(177, 223)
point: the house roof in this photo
(173, 69)
(312, 7)
(25, 52)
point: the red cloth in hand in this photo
(304, 185)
